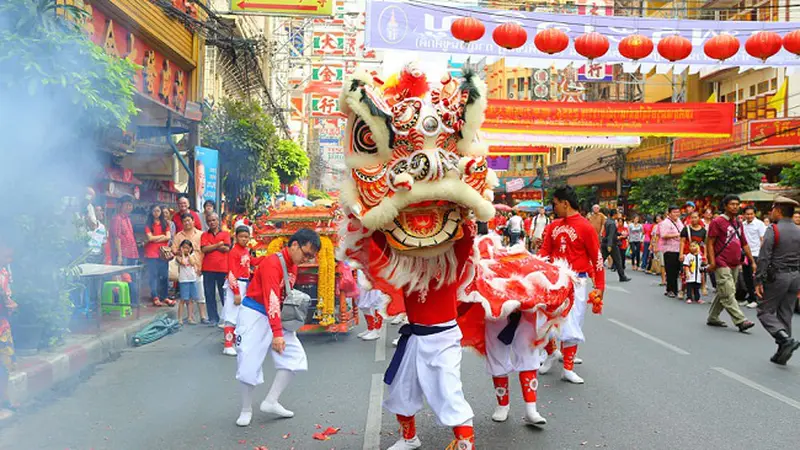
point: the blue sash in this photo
(405, 332)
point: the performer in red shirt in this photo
(573, 238)
(259, 330)
(239, 267)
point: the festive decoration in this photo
(763, 44)
(276, 244)
(326, 282)
(791, 42)
(591, 45)
(597, 302)
(551, 40)
(674, 48)
(721, 47)
(467, 29)
(510, 35)
(636, 47)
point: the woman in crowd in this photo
(157, 232)
(647, 231)
(658, 255)
(694, 233)
(636, 237)
(622, 238)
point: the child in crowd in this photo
(189, 270)
(693, 268)
(7, 306)
(239, 271)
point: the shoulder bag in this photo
(295, 305)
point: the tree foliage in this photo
(790, 176)
(716, 177)
(316, 194)
(653, 195)
(291, 162)
(587, 196)
(245, 137)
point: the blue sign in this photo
(329, 141)
(206, 175)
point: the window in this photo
(773, 84)
(722, 99)
(763, 87)
(752, 91)
(740, 94)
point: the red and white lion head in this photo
(416, 168)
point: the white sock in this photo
(282, 379)
(247, 397)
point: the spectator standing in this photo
(647, 229)
(514, 228)
(610, 246)
(215, 245)
(754, 230)
(692, 266)
(158, 236)
(7, 306)
(669, 233)
(708, 216)
(597, 219)
(91, 212)
(194, 236)
(636, 237)
(658, 256)
(694, 233)
(209, 206)
(167, 214)
(778, 278)
(726, 242)
(98, 237)
(538, 224)
(796, 218)
(622, 238)
(183, 208)
(124, 250)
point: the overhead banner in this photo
(517, 150)
(687, 148)
(425, 27)
(593, 119)
(496, 138)
(289, 8)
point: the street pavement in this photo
(656, 378)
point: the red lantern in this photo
(636, 47)
(721, 47)
(510, 36)
(467, 29)
(674, 48)
(763, 44)
(591, 45)
(551, 40)
(791, 42)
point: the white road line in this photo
(372, 432)
(764, 390)
(658, 341)
(617, 288)
(380, 345)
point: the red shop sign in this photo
(774, 133)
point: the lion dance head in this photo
(416, 167)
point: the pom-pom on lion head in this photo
(416, 166)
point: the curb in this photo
(48, 369)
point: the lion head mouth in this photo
(425, 225)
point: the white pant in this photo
(572, 328)
(201, 290)
(502, 359)
(370, 300)
(229, 310)
(431, 369)
(254, 341)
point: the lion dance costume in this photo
(416, 172)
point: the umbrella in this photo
(528, 205)
(502, 207)
(296, 200)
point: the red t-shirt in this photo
(176, 219)
(526, 225)
(266, 287)
(648, 231)
(122, 229)
(151, 248)
(238, 267)
(723, 230)
(216, 260)
(575, 239)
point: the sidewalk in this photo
(82, 349)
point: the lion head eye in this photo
(363, 141)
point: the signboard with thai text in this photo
(774, 133)
(284, 7)
(687, 148)
(515, 184)
(641, 119)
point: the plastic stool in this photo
(117, 297)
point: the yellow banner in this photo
(284, 7)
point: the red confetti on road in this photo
(320, 436)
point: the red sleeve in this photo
(197, 223)
(115, 227)
(233, 260)
(148, 230)
(271, 275)
(546, 249)
(596, 269)
(206, 239)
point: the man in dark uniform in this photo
(610, 244)
(778, 278)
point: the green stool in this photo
(117, 301)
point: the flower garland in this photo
(276, 244)
(326, 282)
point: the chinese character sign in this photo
(328, 43)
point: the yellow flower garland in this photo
(276, 244)
(326, 282)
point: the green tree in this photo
(790, 176)
(653, 195)
(316, 194)
(291, 162)
(587, 196)
(245, 137)
(716, 177)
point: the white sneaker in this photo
(548, 363)
(532, 416)
(372, 335)
(752, 305)
(398, 319)
(501, 413)
(407, 444)
(571, 376)
(229, 351)
(395, 342)
(244, 418)
(277, 409)
(363, 333)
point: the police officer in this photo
(778, 278)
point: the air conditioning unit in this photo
(510, 95)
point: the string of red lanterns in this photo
(511, 35)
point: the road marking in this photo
(372, 432)
(658, 341)
(764, 390)
(380, 345)
(617, 288)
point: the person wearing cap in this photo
(778, 278)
